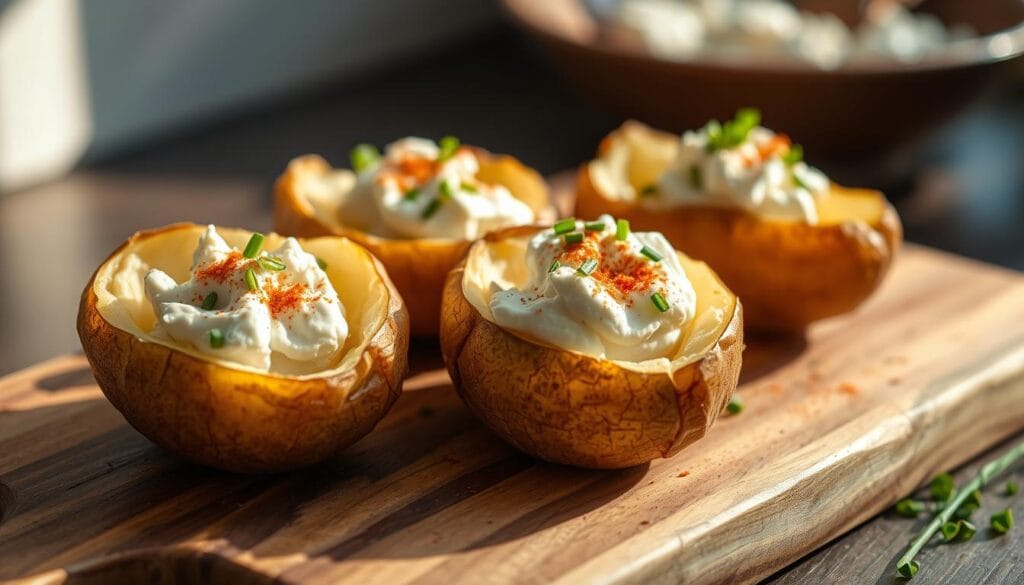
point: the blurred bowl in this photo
(855, 112)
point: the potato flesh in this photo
(122, 301)
(500, 264)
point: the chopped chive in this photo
(554, 266)
(735, 406)
(252, 249)
(733, 132)
(271, 263)
(1011, 488)
(445, 190)
(967, 530)
(909, 508)
(949, 531)
(969, 506)
(564, 226)
(250, 280)
(1002, 522)
(649, 190)
(659, 302)
(943, 488)
(468, 187)
(594, 226)
(622, 230)
(216, 338)
(363, 156)
(210, 301)
(651, 254)
(411, 194)
(794, 155)
(574, 238)
(587, 268)
(320, 262)
(907, 570)
(431, 209)
(448, 145)
(799, 183)
(696, 177)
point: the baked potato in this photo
(567, 407)
(222, 414)
(416, 265)
(788, 273)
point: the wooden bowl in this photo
(857, 111)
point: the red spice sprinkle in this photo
(222, 270)
(282, 297)
(629, 274)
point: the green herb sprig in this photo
(906, 566)
(733, 132)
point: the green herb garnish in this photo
(320, 262)
(564, 226)
(363, 156)
(794, 155)
(209, 302)
(448, 146)
(250, 280)
(594, 226)
(252, 249)
(573, 238)
(589, 266)
(906, 566)
(271, 263)
(943, 487)
(554, 266)
(651, 254)
(1011, 488)
(734, 406)
(950, 530)
(659, 302)
(800, 183)
(445, 190)
(411, 194)
(622, 230)
(733, 132)
(696, 177)
(1002, 522)
(468, 187)
(970, 505)
(216, 338)
(431, 208)
(909, 508)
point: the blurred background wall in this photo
(81, 79)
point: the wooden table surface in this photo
(966, 194)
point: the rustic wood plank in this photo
(837, 426)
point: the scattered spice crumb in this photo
(849, 389)
(895, 381)
(684, 473)
(644, 522)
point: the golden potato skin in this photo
(237, 420)
(788, 274)
(577, 410)
(417, 267)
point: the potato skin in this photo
(788, 274)
(236, 420)
(416, 266)
(578, 410)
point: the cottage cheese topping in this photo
(740, 165)
(421, 190)
(597, 289)
(293, 309)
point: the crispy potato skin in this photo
(788, 274)
(237, 420)
(417, 267)
(577, 410)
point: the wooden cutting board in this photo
(837, 427)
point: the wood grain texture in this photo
(831, 426)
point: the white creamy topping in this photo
(681, 29)
(752, 175)
(610, 313)
(295, 311)
(410, 193)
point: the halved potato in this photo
(787, 273)
(228, 415)
(575, 409)
(417, 266)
